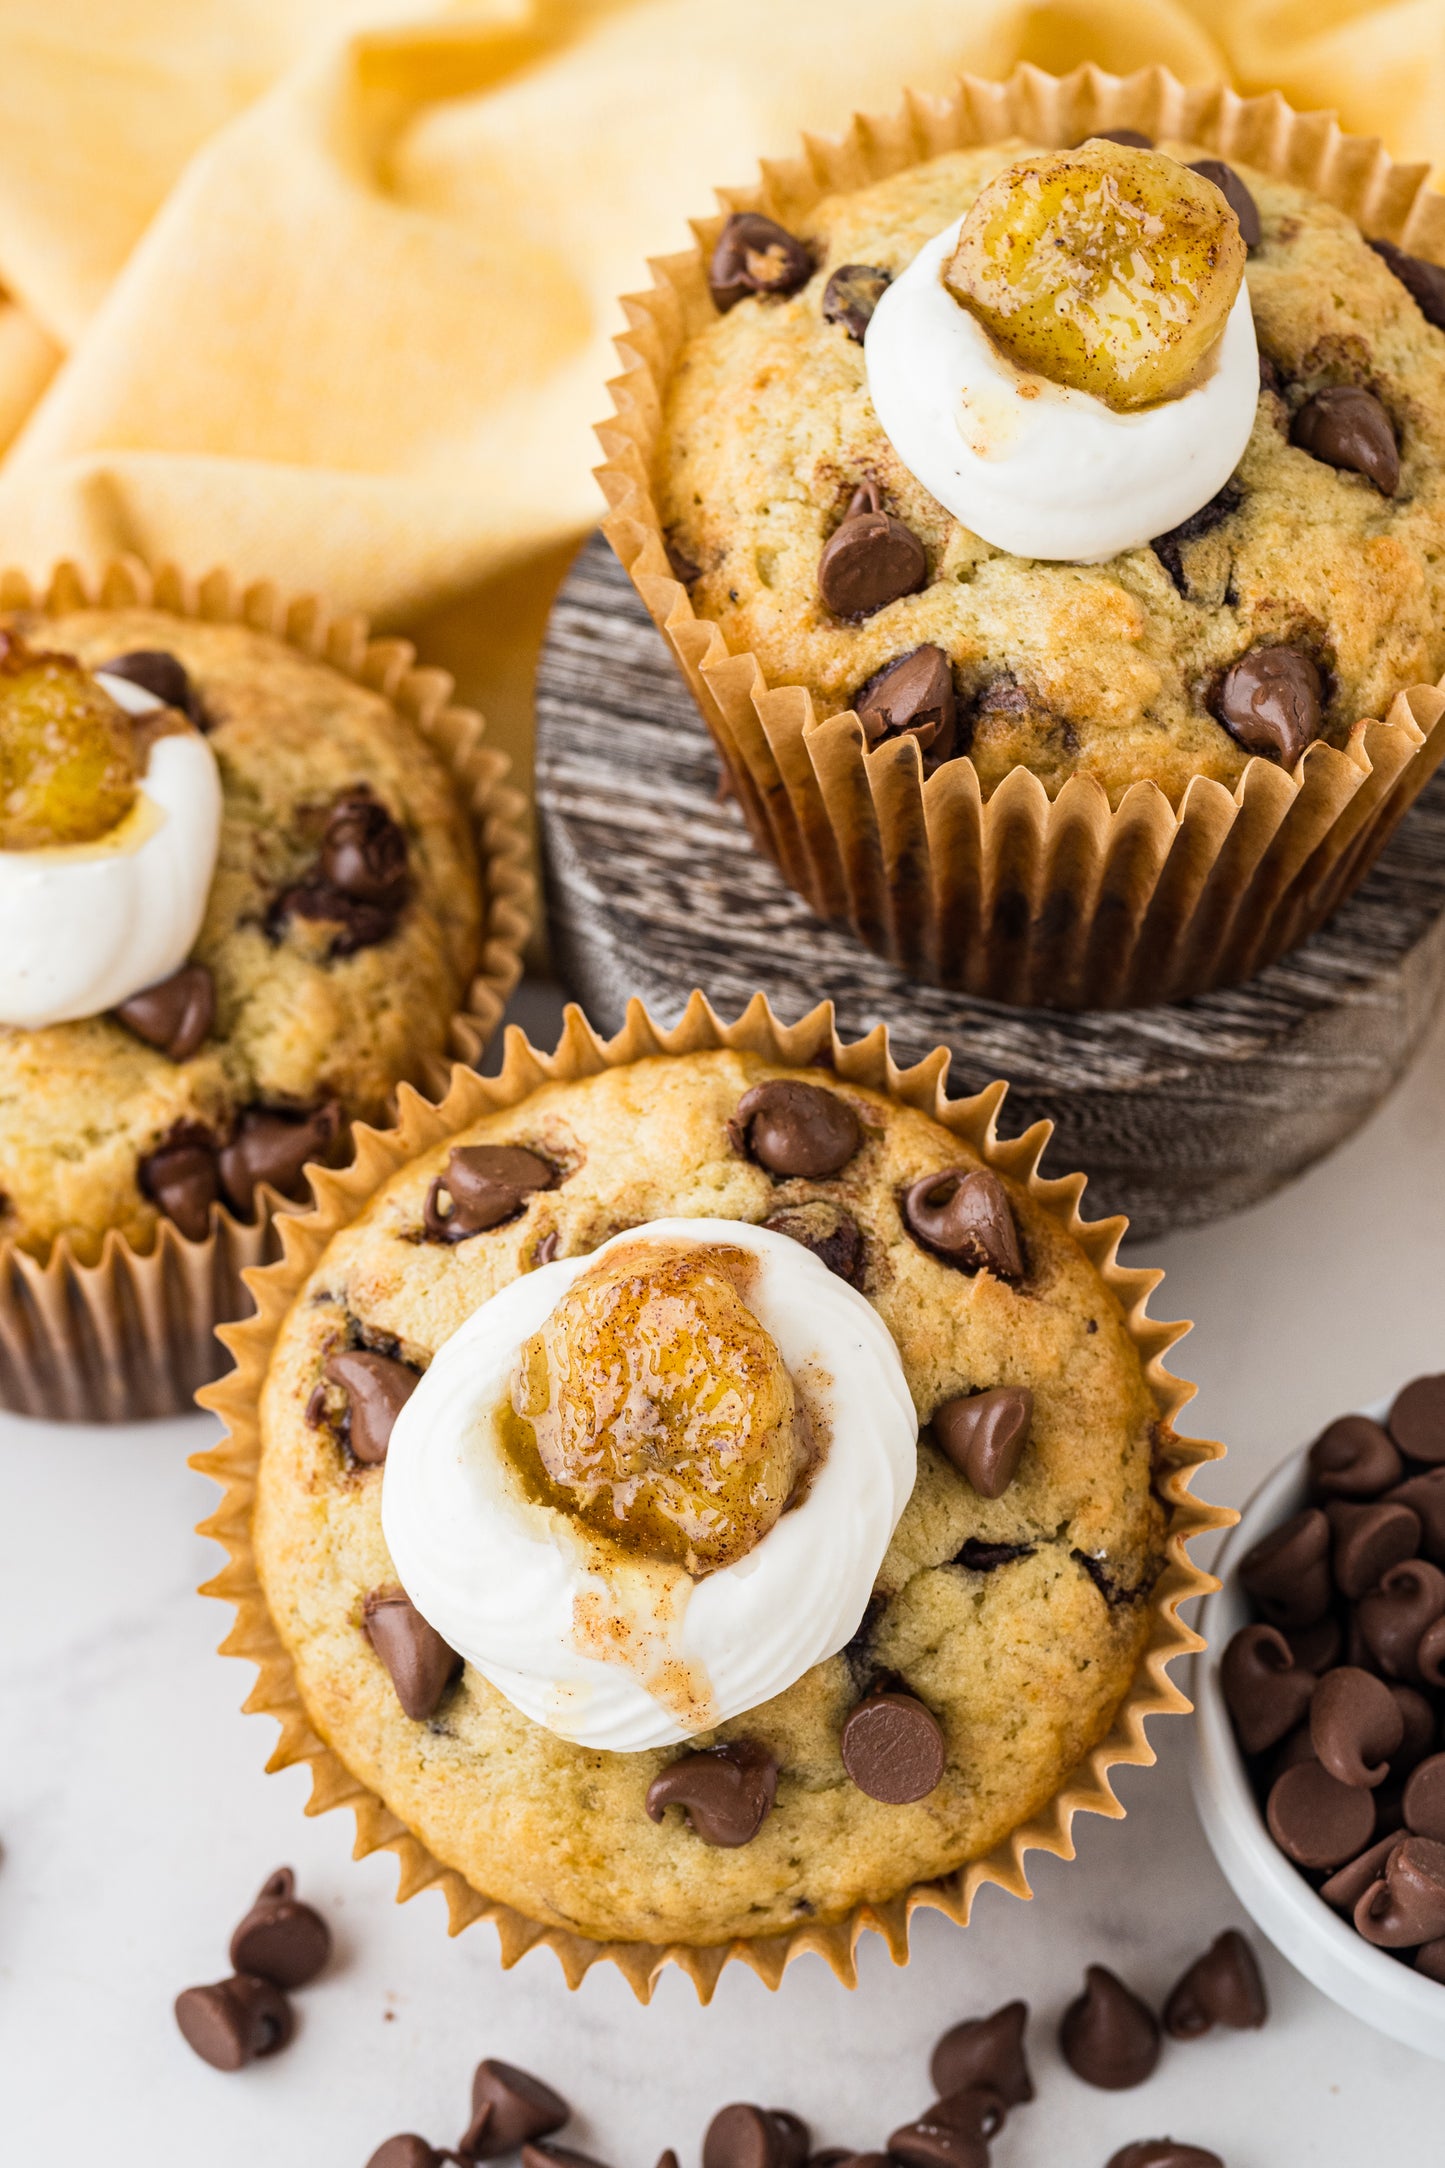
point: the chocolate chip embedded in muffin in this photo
(792, 1128)
(870, 559)
(418, 1662)
(1424, 282)
(892, 1748)
(913, 697)
(182, 1180)
(963, 1216)
(984, 1435)
(1349, 428)
(1272, 703)
(726, 1792)
(483, 1186)
(1169, 548)
(1236, 195)
(755, 255)
(162, 675)
(852, 294)
(1129, 139)
(359, 882)
(377, 1389)
(828, 1231)
(976, 1556)
(274, 1147)
(175, 1015)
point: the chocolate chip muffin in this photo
(1303, 595)
(338, 925)
(1002, 1590)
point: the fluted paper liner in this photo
(1064, 904)
(341, 1196)
(132, 1334)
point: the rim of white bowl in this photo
(1367, 1982)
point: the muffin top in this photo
(1322, 547)
(338, 907)
(991, 1635)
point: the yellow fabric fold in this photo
(326, 293)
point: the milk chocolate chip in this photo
(933, 2143)
(963, 1215)
(509, 2108)
(792, 1128)
(1315, 1819)
(1287, 1572)
(1223, 1987)
(163, 676)
(869, 560)
(1425, 1496)
(832, 1235)
(1108, 2036)
(986, 2051)
(1367, 1541)
(1264, 1690)
(984, 1435)
(281, 1939)
(1272, 703)
(1407, 1905)
(1163, 2153)
(417, 1660)
(235, 2021)
(1347, 427)
(755, 255)
(852, 294)
(377, 1389)
(746, 2136)
(1394, 1618)
(1354, 1458)
(175, 1015)
(1417, 1420)
(1236, 195)
(484, 1184)
(1424, 282)
(726, 1792)
(1355, 1726)
(181, 1179)
(912, 697)
(363, 852)
(1424, 1801)
(272, 1147)
(1128, 139)
(407, 2150)
(1347, 1885)
(892, 1748)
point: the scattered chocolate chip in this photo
(963, 1215)
(485, 1184)
(832, 1235)
(272, 1147)
(755, 255)
(986, 2051)
(668, 2159)
(163, 676)
(1394, 1618)
(1168, 547)
(1424, 1801)
(1367, 1541)
(1272, 703)
(852, 294)
(377, 1389)
(1223, 1987)
(937, 2145)
(1407, 1905)
(1315, 1819)
(792, 1128)
(235, 2021)
(406, 2150)
(1355, 1726)
(1265, 1691)
(1354, 1458)
(869, 560)
(281, 1939)
(1347, 427)
(1287, 1572)
(181, 1179)
(797, 2138)
(892, 1748)
(556, 2156)
(1424, 282)
(1163, 2153)
(1128, 139)
(1236, 195)
(174, 1015)
(363, 852)
(1425, 1496)
(417, 1660)
(509, 2108)
(1347, 1885)
(745, 2136)
(911, 697)
(1417, 1420)
(726, 1792)
(1108, 2036)
(984, 1435)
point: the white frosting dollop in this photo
(83, 926)
(512, 1585)
(1032, 466)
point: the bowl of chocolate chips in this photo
(1320, 1750)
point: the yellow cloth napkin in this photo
(325, 291)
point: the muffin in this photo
(244, 901)
(1156, 588)
(705, 1498)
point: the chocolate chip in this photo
(406, 2150)
(1128, 139)
(272, 1147)
(556, 2156)
(363, 852)
(1347, 427)
(1223, 1987)
(1315, 1819)
(683, 567)
(1168, 547)
(852, 294)
(1424, 1801)
(745, 2136)
(869, 560)
(359, 925)
(235, 2021)
(1347, 1885)
(1315, 1648)
(984, 1435)
(509, 2108)
(1272, 703)
(1424, 282)
(1430, 1654)
(1430, 1960)
(726, 1792)
(1236, 195)
(1425, 1496)
(977, 1556)
(1108, 2036)
(1407, 1905)
(755, 255)
(1287, 1572)
(892, 1748)
(667, 2158)
(832, 1235)
(281, 1939)
(911, 697)
(1367, 1541)
(926, 2144)
(1355, 1726)
(1264, 1690)
(963, 1215)
(377, 1389)
(485, 1184)
(174, 1015)
(986, 2051)
(182, 1180)
(1394, 1618)
(545, 1248)
(1354, 1458)
(162, 675)
(418, 1661)
(1163, 2153)
(1420, 1733)
(792, 1128)
(1417, 1420)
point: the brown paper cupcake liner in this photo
(132, 1334)
(1065, 903)
(234, 1463)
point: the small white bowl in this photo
(1367, 1982)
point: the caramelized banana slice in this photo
(67, 752)
(1106, 269)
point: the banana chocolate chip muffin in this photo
(702, 1497)
(240, 902)
(1116, 461)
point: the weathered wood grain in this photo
(1178, 1114)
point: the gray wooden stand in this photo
(1177, 1114)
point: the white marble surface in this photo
(136, 1821)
